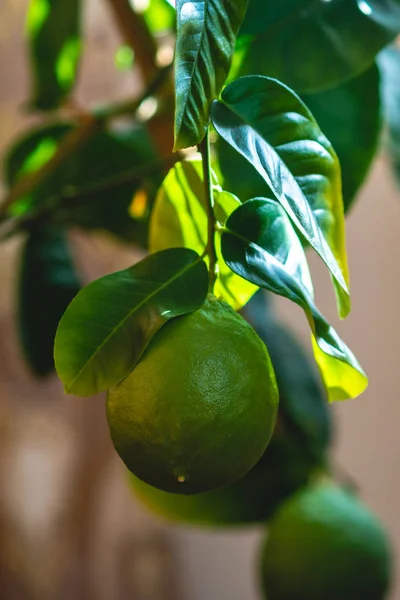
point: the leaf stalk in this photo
(204, 148)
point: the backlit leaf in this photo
(55, 45)
(261, 245)
(179, 218)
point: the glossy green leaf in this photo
(262, 246)
(54, 34)
(106, 155)
(109, 324)
(312, 45)
(269, 126)
(179, 218)
(204, 48)
(350, 117)
(48, 282)
(389, 64)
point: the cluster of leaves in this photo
(280, 156)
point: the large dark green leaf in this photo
(350, 117)
(270, 127)
(261, 245)
(103, 156)
(55, 47)
(204, 48)
(108, 325)
(389, 64)
(179, 218)
(315, 44)
(48, 283)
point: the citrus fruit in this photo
(297, 448)
(199, 408)
(323, 544)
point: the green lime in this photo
(297, 448)
(198, 410)
(323, 544)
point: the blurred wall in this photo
(44, 435)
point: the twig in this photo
(77, 137)
(136, 34)
(71, 196)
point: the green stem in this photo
(204, 148)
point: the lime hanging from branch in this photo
(198, 410)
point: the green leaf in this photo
(204, 48)
(159, 15)
(261, 245)
(54, 35)
(389, 65)
(313, 45)
(109, 324)
(48, 282)
(106, 155)
(179, 218)
(350, 117)
(270, 127)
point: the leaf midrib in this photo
(340, 280)
(130, 313)
(195, 62)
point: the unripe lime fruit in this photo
(198, 410)
(298, 447)
(323, 544)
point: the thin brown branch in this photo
(136, 35)
(77, 137)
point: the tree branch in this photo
(136, 35)
(91, 124)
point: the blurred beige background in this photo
(64, 534)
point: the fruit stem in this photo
(204, 148)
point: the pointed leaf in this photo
(270, 126)
(48, 283)
(179, 218)
(313, 45)
(108, 325)
(262, 246)
(350, 117)
(204, 48)
(55, 47)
